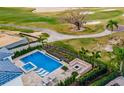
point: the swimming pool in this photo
(28, 67)
(45, 64)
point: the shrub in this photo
(74, 73)
(24, 51)
(90, 76)
(106, 79)
(65, 68)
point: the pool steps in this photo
(41, 72)
(45, 74)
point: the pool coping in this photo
(44, 52)
(34, 67)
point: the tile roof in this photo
(8, 76)
(7, 65)
(8, 71)
(4, 52)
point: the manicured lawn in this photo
(67, 28)
(22, 15)
(87, 43)
(91, 44)
(97, 15)
(16, 29)
(104, 15)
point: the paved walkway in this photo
(55, 36)
(119, 81)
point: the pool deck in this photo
(33, 79)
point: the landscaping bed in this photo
(24, 51)
(60, 52)
(101, 70)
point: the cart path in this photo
(55, 36)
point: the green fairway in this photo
(22, 15)
(25, 17)
(9, 28)
(104, 15)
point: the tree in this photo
(111, 63)
(95, 55)
(28, 40)
(43, 38)
(75, 74)
(119, 55)
(111, 24)
(83, 51)
(75, 18)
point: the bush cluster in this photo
(24, 51)
(105, 79)
(90, 76)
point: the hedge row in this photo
(90, 76)
(105, 79)
(24, 51)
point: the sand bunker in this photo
(51, 9)
(109, 10)
(87, 12)
(93, 22)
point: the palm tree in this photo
(95, 55)
(111, 24)
(111, 61)
(119, 55)
(28, 40)
(43, 38)
(83, 51)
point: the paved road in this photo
(55, 36)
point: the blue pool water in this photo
(42, 61)
(28, 66)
